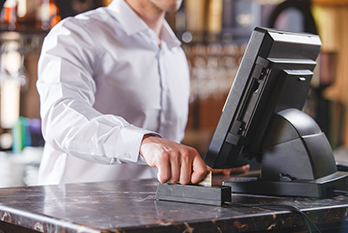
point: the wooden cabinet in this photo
(332, 21)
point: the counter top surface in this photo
(130, 206)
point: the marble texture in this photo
(130, 206)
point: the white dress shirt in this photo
(104, 82)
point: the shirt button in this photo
(127, 155)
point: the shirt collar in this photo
(168, 36)
(132, 23)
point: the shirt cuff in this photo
(128, 144)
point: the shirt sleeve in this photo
(66, 87)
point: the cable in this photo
(341, 192)
(271, 206)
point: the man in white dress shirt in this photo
(114, 90)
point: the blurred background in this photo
(214, 34)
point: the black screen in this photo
(274, 75)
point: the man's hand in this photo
(175, 162)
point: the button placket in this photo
(163, 94)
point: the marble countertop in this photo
(130, 206)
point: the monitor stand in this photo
(297, 160)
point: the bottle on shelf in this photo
(8, 15)
(13, 78)
(47, 14)
(29, 15)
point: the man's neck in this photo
(152, 15)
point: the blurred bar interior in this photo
(214, 34)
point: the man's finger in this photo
(186, 167)
(175, 168)
(199, 170)
(164, 169)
